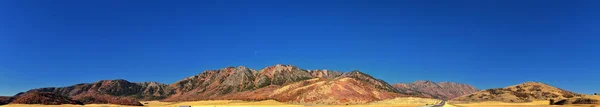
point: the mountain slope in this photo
(5, 100)
(350, 88)
(526, 92)
(441, 90)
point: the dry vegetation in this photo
(412, 101)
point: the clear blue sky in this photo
(487, 44)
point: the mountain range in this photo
(528, 92)
(284, 83)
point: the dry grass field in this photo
(397, 102)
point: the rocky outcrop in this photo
(441, 90)
(526, 92)
(328, 74)
(45, 98)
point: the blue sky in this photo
(487, 44)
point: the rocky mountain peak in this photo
(425, 83)
(279, 67)
(150, 83)
(324, 73)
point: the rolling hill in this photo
(528, 92)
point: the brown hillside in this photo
(5, 100)
(341, 90)
(526, 92)
(45, 98)
(441, 90)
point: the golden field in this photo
(397, 102)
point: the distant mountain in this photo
(526, 92)
(45, 98)
(441, 90)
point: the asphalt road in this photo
(441, 104)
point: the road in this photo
(441, 104)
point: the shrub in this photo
(585, 101)
(561, 102)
